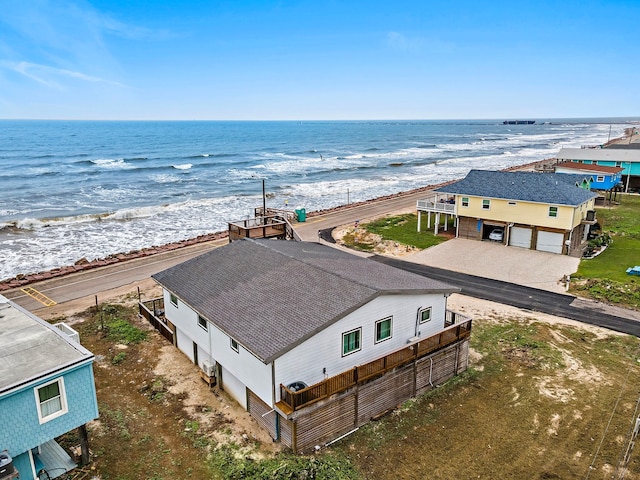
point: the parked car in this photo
(496, 234)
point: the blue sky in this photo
(255, 60)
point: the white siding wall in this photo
(234, 387)
(324, 350)
(216, 345)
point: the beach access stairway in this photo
(274, 223)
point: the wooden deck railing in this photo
(153, 311)
(306, 396)
(274, 225)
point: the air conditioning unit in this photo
(297, 385)
(209, 368)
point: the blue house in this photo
(626, 158)
(46, 390)
(602, 177)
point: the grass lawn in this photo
(404, 229)
(604, 277)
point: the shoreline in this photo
(83, 264)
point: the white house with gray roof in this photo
(541, 211)
(290, 328)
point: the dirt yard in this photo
(544, 397)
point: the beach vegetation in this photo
(530, 387)
(113, 319)
(329, 466)
(403, 229)
(604, 277)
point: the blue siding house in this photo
(602, 177)
(46, 390)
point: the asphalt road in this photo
(93, 282)
(519, 296)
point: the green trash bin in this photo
(301, 214)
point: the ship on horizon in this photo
(518, 122)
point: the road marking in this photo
(41, 297)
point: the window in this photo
(425, 314)
(486, 204)
(465, 201)
(383, 329)
(173, 299)
(51, 400)
(618, 164)
(203, 323)
(351, 341)
(234, 346)
(553, 212)
(600, 178)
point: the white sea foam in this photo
(112, 163)
(165, 178)
(348, 173)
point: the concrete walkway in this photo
(531, 268)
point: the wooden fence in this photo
(296, 400)
(153, 311)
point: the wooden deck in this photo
(269, 226)
(290, 400)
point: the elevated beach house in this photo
(627, 159)
(46, 390)
(602, 177)
(549, 212)
(311, 340)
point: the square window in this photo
(425, 314)
(599, 178)
(553, 211)
(486, 204)
(51, 400)
(203, 323)
(173, 299)
(383, 329)
(465, 201)
(234, 346)
(351, 341)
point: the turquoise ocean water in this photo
(83, 189)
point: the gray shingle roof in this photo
(548, 188)
(271, 295)
(31, 349)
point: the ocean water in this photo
(84, 189)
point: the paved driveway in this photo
(493, 260)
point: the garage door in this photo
(550, 242)
(520, 237)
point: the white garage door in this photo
(550, 242)
(520, 237)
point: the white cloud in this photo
(46, 75)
